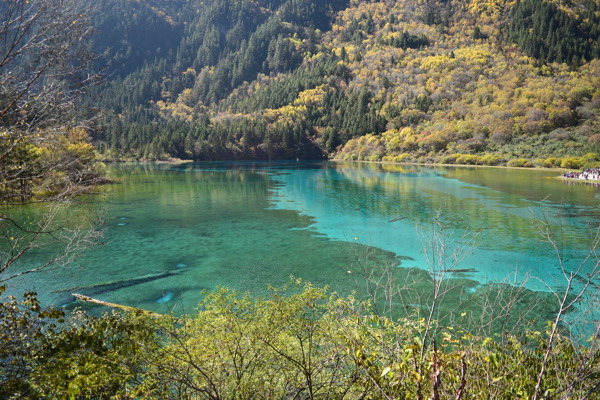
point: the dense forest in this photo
(476, 82)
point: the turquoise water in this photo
(499, 209)
(174, 230)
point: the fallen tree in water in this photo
(103, 287)
(88, 299)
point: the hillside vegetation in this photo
(475, 82)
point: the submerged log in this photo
(460, 270)
(88, 299)
(99, 288)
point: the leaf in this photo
(417, 376)
(385, 371)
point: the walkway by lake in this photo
(589, 174)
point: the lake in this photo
(175, 230)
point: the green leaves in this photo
(301, 342)
(47, 354)
(306, 342)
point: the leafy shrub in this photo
(401, 158)
(472, 159)
(490, 159)
(550, 162)
(594, 140)
(450, 159)
(559, 134)
(520, 162)
(468, 159)
(591, 157)
(573, 162)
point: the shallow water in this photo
(174, 230)
(394, 208)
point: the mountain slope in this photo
(469, 82)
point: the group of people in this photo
(589, 174)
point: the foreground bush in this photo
(45, 354)
(300, 343)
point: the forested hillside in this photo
(472, 82)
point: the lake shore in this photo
(560, 171)
(422, 164)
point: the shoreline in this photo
(561, 171)
(557, 169)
